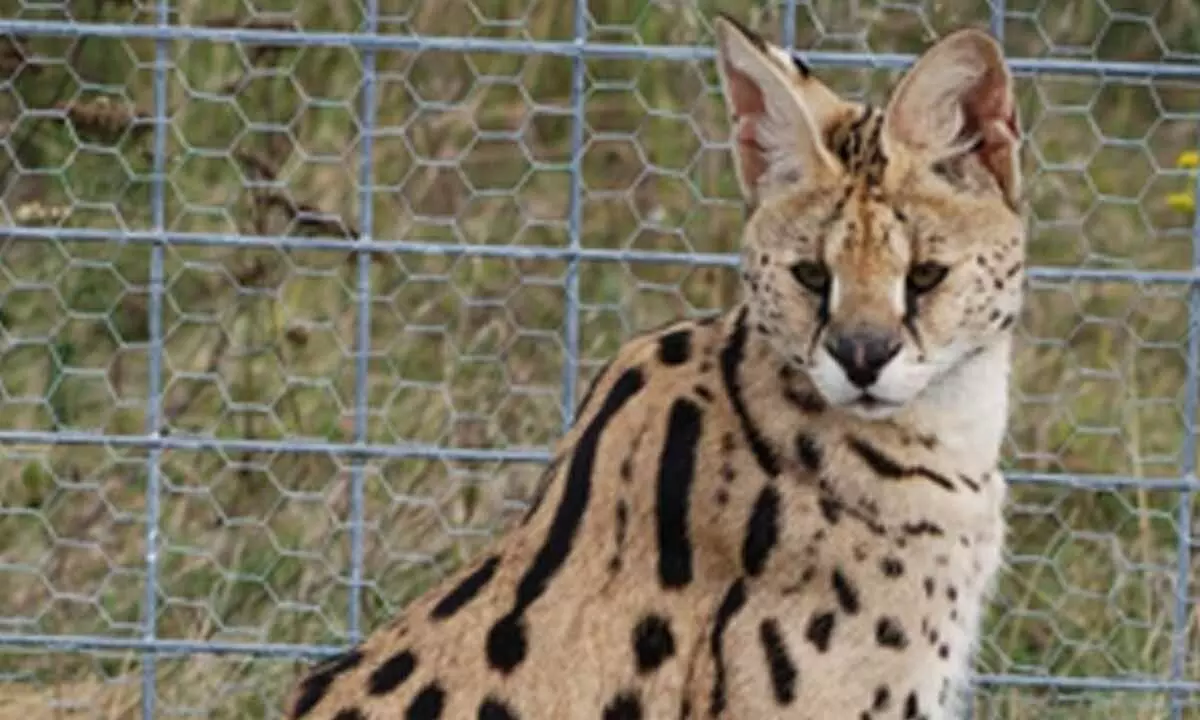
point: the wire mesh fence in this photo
(295, 295)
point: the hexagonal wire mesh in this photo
(294, 296)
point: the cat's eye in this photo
(925, 276)
(814, 276)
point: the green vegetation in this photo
(467, 351)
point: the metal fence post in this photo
(162, 62)
(575, 217)
(363, 351)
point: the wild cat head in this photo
(884, 246)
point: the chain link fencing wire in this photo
(294, 297)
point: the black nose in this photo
(862, 354)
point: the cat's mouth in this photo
(873, 405)
(868, 400)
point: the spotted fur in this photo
(792, 510)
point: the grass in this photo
(467, 351)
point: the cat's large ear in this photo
(776, 110)
(957, 101)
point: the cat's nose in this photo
(863, 353)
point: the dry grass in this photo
(467, 350)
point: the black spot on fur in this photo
(853, 140)
(847, 594)
(966, 480)
(891, 566)
(653, 643)
(762, 531)
(676, 472)
(808, 451)
(732, 356)
(831, 509)
(875, 459)
(392, 673)
(466, 590)
(807, 402)
(889, 634)
(889, 468)
(428, 704)
(922, 527)
(728, 474)
(882, 698)
(506, 645)
(704, 393)
(493, 708)
(625, 706)
(622, 528)
(675, 348)
(820, 630)
(316, 684)
(857, 145)
(733, 602)
(506, 640)
(349, 714)
(928, 587)
(783, 671)
(912, 708)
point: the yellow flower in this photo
(1184, 202)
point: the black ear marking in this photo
(801, 68)
(752, 36)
